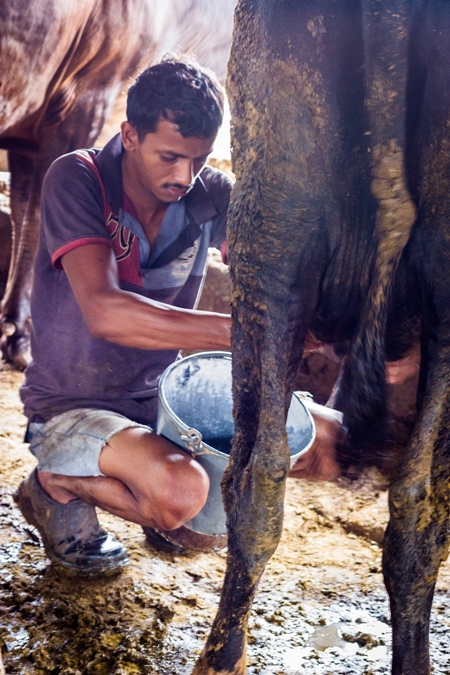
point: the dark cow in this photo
(339, 224)
(62, 65)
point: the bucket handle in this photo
(193, 441)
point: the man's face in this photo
(165, 164)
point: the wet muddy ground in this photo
(321, 607)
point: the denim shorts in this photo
(71, 443)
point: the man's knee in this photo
(178, 494)
(169, 487)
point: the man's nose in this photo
(184, 174)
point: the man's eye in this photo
(168, 158)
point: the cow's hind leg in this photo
(273, 303)
(254, 487)
(416, 539)
(285, 126)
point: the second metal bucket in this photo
(195, 412)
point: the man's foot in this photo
(71, 533)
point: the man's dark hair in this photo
(180, 90)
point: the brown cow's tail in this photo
(362, 387)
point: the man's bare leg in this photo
(148, 480)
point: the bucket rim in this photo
(298, 396)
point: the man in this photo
(119, 267)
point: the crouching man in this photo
(120, 263)
(121, 258)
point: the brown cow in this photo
(62, 65)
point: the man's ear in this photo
(130, 137)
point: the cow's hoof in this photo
(15, 349)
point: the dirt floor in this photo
(321, 607)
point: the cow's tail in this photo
(361, 393)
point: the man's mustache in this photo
(177, 186)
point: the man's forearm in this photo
(131, 320)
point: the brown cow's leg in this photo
(25, 218)
(285, 131)
(26, 181)
(416, 539)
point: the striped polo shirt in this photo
(83, 202)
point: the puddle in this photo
(344, 648)
(325, 637)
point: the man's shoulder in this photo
(76, 164)
(218, 185)
(216, 179)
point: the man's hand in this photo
(401, 370)
(320, 463)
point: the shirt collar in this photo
(197, 202)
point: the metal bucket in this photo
(195, 413)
